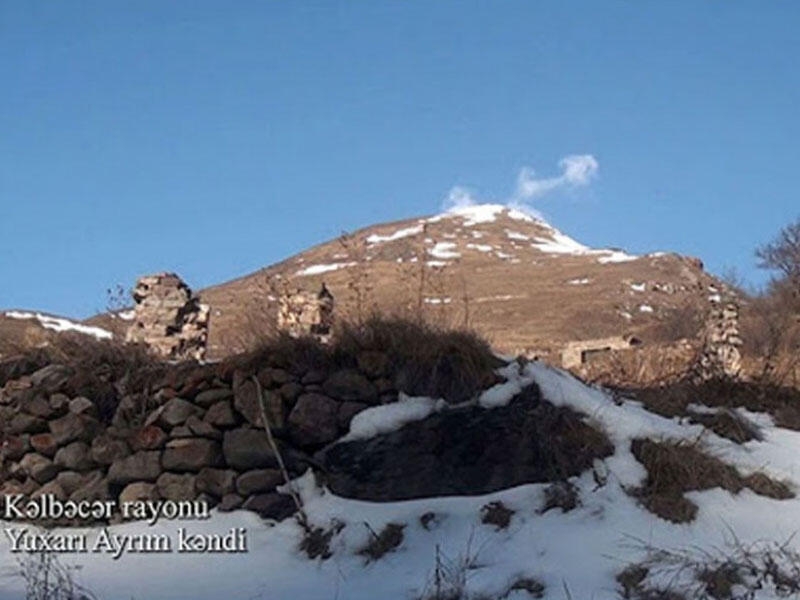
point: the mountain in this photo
(516, 279)
(521, 283)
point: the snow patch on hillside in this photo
(60, 325)
(319, 269)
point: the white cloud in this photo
(577, 170)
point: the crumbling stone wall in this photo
(721, 341)
(169, 318)
(305, 313)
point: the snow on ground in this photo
(579, 551)
(645, 308)
(580, 281)
(444, 250)
(59, 324)
(638, 287)
(438, 300)
(481, 247)
(399, 234)
(318, 269)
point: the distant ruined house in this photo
(305, 313)
(169, 318)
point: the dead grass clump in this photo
(735, 571)
(534, 588)
(497, 514)
(389, 538)
(428, 360)
(316, 542)
(728, 424)
(674, 468)
(782, 402)
(104, 370)
(561, 494)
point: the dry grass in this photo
(783, 403)
(677, 467)
(389, 538)
(102, 370)
(496, 514)
(425, 360)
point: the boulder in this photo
(172, 486)
(350, 385)
(95, 487)
(105, 449)
(247, 449)
(210, 397)
(138, 491)
(191, 454)
(83, 406)
(271, 506)
(314, 420)
(51, 378)
(230, 502)
(173, 413)
(258, 481)
(216, 482)
(202, 429)
(74, 457)
(15, 447)
(247, 402)
(72, 427)
(220, 415)
(39, 468)
(149, 437)
(51, 488)
(348, 410)
(373, 363)
(44, 443)
(39, 406)
(142, 466)
(24, 423)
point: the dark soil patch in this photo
(674, 468)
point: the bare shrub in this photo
(497, 514)
(733, 572)
(46, 578)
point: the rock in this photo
(258, 481)
(82, 406)
(290, 391)
(74, 457)
(51, 378)
(191, 454)
(217, 482)
(314, 376)
(173, 413)
(350, 385)
(149, 438)
(15, 447)
(230, 502)
(202, 429)
(105, 449)
(59, 403)
(94, 488)
(271, 506)
(39, 406)
(314, 420)
(172, 486)
(348, 410)
(213, 396)
(39, 468)
(22, 423)
(181, 431)
(142, 466)
(471, 451)
(272, 377)
(220, 415)
(138, 491)
(72, 427)
(50, 489)
(247, 449)
(372, 363)
(247, 402)
(44, 443)
(70, 481)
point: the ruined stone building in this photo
(169, 318)
(305, 313)
(721, 341)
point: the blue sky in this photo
(213, 138)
